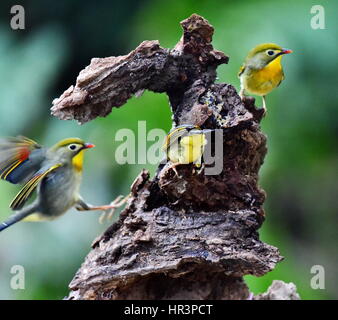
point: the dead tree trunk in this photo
(191, 236)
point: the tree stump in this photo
(186, 236)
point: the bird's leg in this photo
(173, 167)
(264, 105)
(199, 166)
(108, 210)
(83, 206)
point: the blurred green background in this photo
(300, 171)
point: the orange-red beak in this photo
(89, 145)
(286, 51)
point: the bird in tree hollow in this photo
(262, 70)
(185, 144)
(55, 173)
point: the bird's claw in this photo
(173, 168)
(200, 169)
(109, 210)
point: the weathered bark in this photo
(279, 290)
(191, 236)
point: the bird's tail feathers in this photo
(16, 217)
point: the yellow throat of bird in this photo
(78, 161)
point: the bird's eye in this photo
(270, 52)
(72, 147)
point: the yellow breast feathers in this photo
(262, 81)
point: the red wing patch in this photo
(13, 152)
(24, 153)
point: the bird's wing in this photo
(241, 70)
(20, 158)
(30, 186)
(172, 139)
